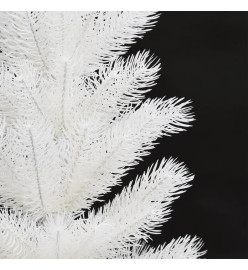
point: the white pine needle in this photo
(74, 119)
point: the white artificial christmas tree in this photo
(73, 122)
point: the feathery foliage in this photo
(73, 122)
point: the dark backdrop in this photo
(204, 58)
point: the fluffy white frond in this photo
(20, 40)
(110, 91)
(32, 174)
(57, 239)
(59, 236)
(122, 146)
(138, 211)
(106, 35)
(120, 84)
(182, 248)
(78, 40)
(22, 93)
(18, 235)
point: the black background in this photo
(204, 58)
